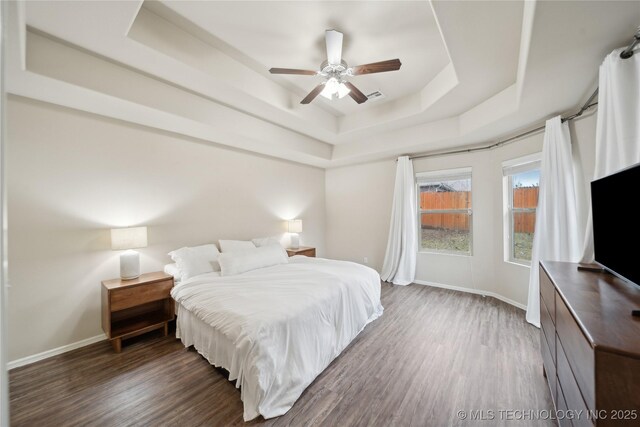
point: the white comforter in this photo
(284, 324)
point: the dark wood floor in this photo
(433, 353)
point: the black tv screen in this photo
(616, 231)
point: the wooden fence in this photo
(446, 200)
(524, 222)
(526, 197)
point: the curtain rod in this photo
(505, 141)
(625, 54)
(628, 52)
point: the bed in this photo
(275, 329)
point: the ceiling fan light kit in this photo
(335, 72)
(334, 88)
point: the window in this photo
(444, 211)
(522, 184)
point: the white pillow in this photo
(196, 260)
(210, 252)
(236, 246)
(241, 262)
(173, 270)
(264, 241)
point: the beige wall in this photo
(72, 176)
(359, 207)
(359, 210)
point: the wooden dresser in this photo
(590, 344)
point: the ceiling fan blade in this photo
(307, 99)
(376, 67)
(292, 71)
(355, 93)
(333, 39)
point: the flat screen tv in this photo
(616, 229)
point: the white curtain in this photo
(618, 124)
(399, 265)
(557, 236)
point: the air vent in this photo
(375, 95)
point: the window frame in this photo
(509, 169)
(440, 176)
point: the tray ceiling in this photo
(291, 35)
(472, 71)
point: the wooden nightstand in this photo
(133, 307)
(302, 250)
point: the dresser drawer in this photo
(549, 362)
(562, 408)
(135, 296)
(548, 294)
(570, 390)
(548, 328)
(578, 352)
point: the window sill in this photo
(458, 254)
(520, 264)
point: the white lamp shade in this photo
(128, 238)
(295, 226)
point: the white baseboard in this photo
(473, 291)
(54, 352)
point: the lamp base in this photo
(295, 241)
(129, 265)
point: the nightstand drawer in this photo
(309, 252)
(305, 251)
(137, 295)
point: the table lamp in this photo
(295, 227)
(128, 239)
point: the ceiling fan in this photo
(335, 72)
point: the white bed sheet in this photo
(277, 328)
